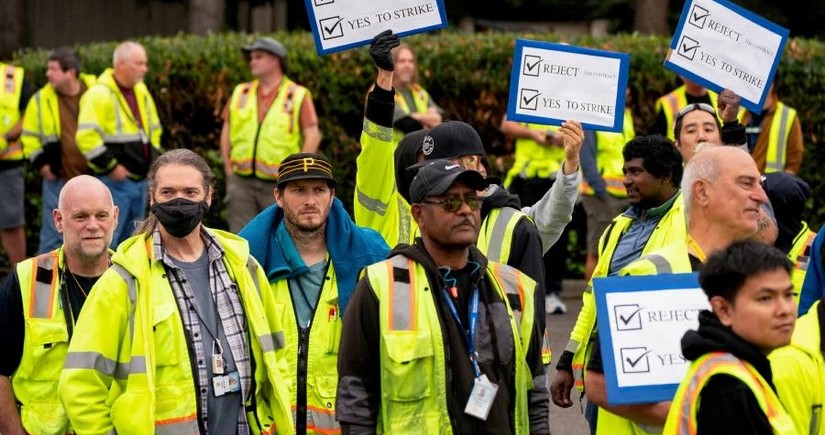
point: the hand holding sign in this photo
(728, 103)
(381, 49)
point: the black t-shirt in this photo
(13, 323)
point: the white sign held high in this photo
(721, 45)
(339, 25)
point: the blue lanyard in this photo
(469, 334)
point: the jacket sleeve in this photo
(154, 120)
(359, 364)
(539, 397)
(812, 287)
(793, 376)
(590, 165)
(100, 343)
(733, 133)
(796, 147)
(95, 108)
(376, 198)
(554, 210)
(32, 146)
(526, 256)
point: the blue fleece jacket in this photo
(350, 247)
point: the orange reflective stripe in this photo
(241, 103)
(391, 293)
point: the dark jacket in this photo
(359, 386)
(727, 406)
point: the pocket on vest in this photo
(410, 369)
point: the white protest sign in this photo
(338, 25)
(641, 324)
(551, 83)
(721, 45)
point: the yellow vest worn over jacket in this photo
(41, 125)
(799, 374)
(421, 98)
(320, 359)
(413, 369)
(108, 133)
(799, 255)
(533, 160)
(675, 101)
(681, 420)
(671, 228)
(45, 344)
(128, 369)
(257, 148)
(780, 130)
(609, 158)
(11, 89)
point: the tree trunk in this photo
(206, 16)
(651, 17)
(12, 27)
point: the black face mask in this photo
(180, 216)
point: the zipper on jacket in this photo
(303, 364)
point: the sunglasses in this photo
(453, 203)
(696, 106)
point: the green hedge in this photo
(467, 74)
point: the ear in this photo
(723, 309)
(57, 218)
(279, 197)
(115, 214)
(701, 192)
(417, 213)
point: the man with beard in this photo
(312, 253)
(39, 302)
(439, 339)
(177, 336)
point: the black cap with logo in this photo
(437, 176)
(452, 139)
(305, 166)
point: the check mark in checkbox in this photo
(634, 359)
(331, 27)
(628, 317)
(323, 2)
(529, 99)
(688, 47)
(530, 65)
(698, 16)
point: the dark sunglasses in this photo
(696, 106)
(453, 203)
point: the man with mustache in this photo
(722, 198)
(312, 253)
(438, 338)
(39, 302)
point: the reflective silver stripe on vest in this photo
(118, 120)
(781, 141)
(253, 270)
(319, 420)
(37, 98)
(136, 365)
(43, 296)
(121, 138)
(272, 342)
(510, 283)
(371, 204)
(402, 297)
(182, 427)
(661, 263)
(90, 360)
(376, 131)
(684, 423)
(131, 286)
(496, 238)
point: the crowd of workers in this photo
(424, 310)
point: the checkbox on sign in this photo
(530, 66)
(634, 359)
(324, 2)
(698, 16)
(331, 28)
(529, 99)
(628, 317)
(688, 47)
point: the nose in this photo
(759, 195)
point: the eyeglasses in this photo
(453, 203)
(695, 106)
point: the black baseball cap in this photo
(305, 166)
(437, 176)
(268, 45)
(452, 139)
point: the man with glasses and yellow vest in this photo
(15, 92)
(39, 303)
(264, 121)
(438, 339)
(181, 334)
(119, 133)
(775, 136)
(729, 386)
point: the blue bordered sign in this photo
(641, 323)
(721, 45)
(339, 25)
(551, 83)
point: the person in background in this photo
(414, 107)
(775, 136)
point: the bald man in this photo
(35, 327)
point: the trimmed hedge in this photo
(192, 78)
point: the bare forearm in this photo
(428, 119)
(10, 423)
(384, 80)
(312, 138)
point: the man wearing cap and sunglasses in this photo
(438, 338)
(266, 120)
(312, 253)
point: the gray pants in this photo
(245, 198)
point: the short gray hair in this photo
(703, 166)
(124, 51)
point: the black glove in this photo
(381, 49)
